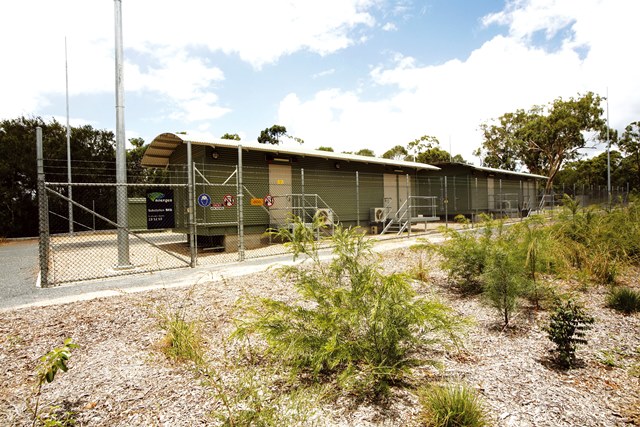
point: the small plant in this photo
(566, 329)
(48, 367)
(608, 358)
(504, 282)
(183, 338)
(452, 406)
(624, 299)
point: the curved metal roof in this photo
(163, 145)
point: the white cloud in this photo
(389, 26)
(509, 72)
(168, 34)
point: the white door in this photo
(396, 191)
(280, 189)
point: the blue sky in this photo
(349, 74)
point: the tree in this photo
(630, 144)
(232, 136)
(396, 153)
(543, 138)
(322, 148)
(93, 159)
(365, 152)
(274, 134)
(426, 149)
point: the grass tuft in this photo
(452, 406)
(624, 299)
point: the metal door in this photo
(280, 189)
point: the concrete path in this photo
(21, 260)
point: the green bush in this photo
(451, 406)
(566, 329)
(624, 299)
(465, 257)
(353, 322)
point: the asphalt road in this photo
(18, 268)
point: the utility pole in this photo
(121, 154)
(608, 156)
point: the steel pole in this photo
(191, 205)
(240, 201)
(43, 209)
(121, 153)
(69, 188)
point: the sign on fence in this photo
(160, 212)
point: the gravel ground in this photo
(119, 376)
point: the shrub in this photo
(504, 282)
(452, 406)
(566, 329)
(465, 257)
(354, 323)
(624, 299)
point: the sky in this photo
(349, 74)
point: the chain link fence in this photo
(181, 216)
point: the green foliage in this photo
(504, 282)
(624, 299)
(566, 329)
(465, 257)
(274, 135)
(231, 136)
(48, 366)
(325, 148)
(543, 138)
(353, 323)
(452, 406)
(599, 243)
(251, 397)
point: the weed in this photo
(624, 299)
(183, 339)
(451, 406)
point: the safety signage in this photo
(256, 201)
(160, 209)
(269, 200)
(216, 207)
(204, 200)
(228, 200)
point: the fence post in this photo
(240, 201)
(303, 211)
(43, 213)
(408, 205)
(446, 204)
(357, 199)
(190, 206)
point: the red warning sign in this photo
(228, 200)
(268, 200)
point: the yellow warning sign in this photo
(256, 201)
(280, 181)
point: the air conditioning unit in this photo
(378, 214)
(325, 215)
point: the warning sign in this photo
(256, 201)
(268, 200)
(228, 201)
(216, 207)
